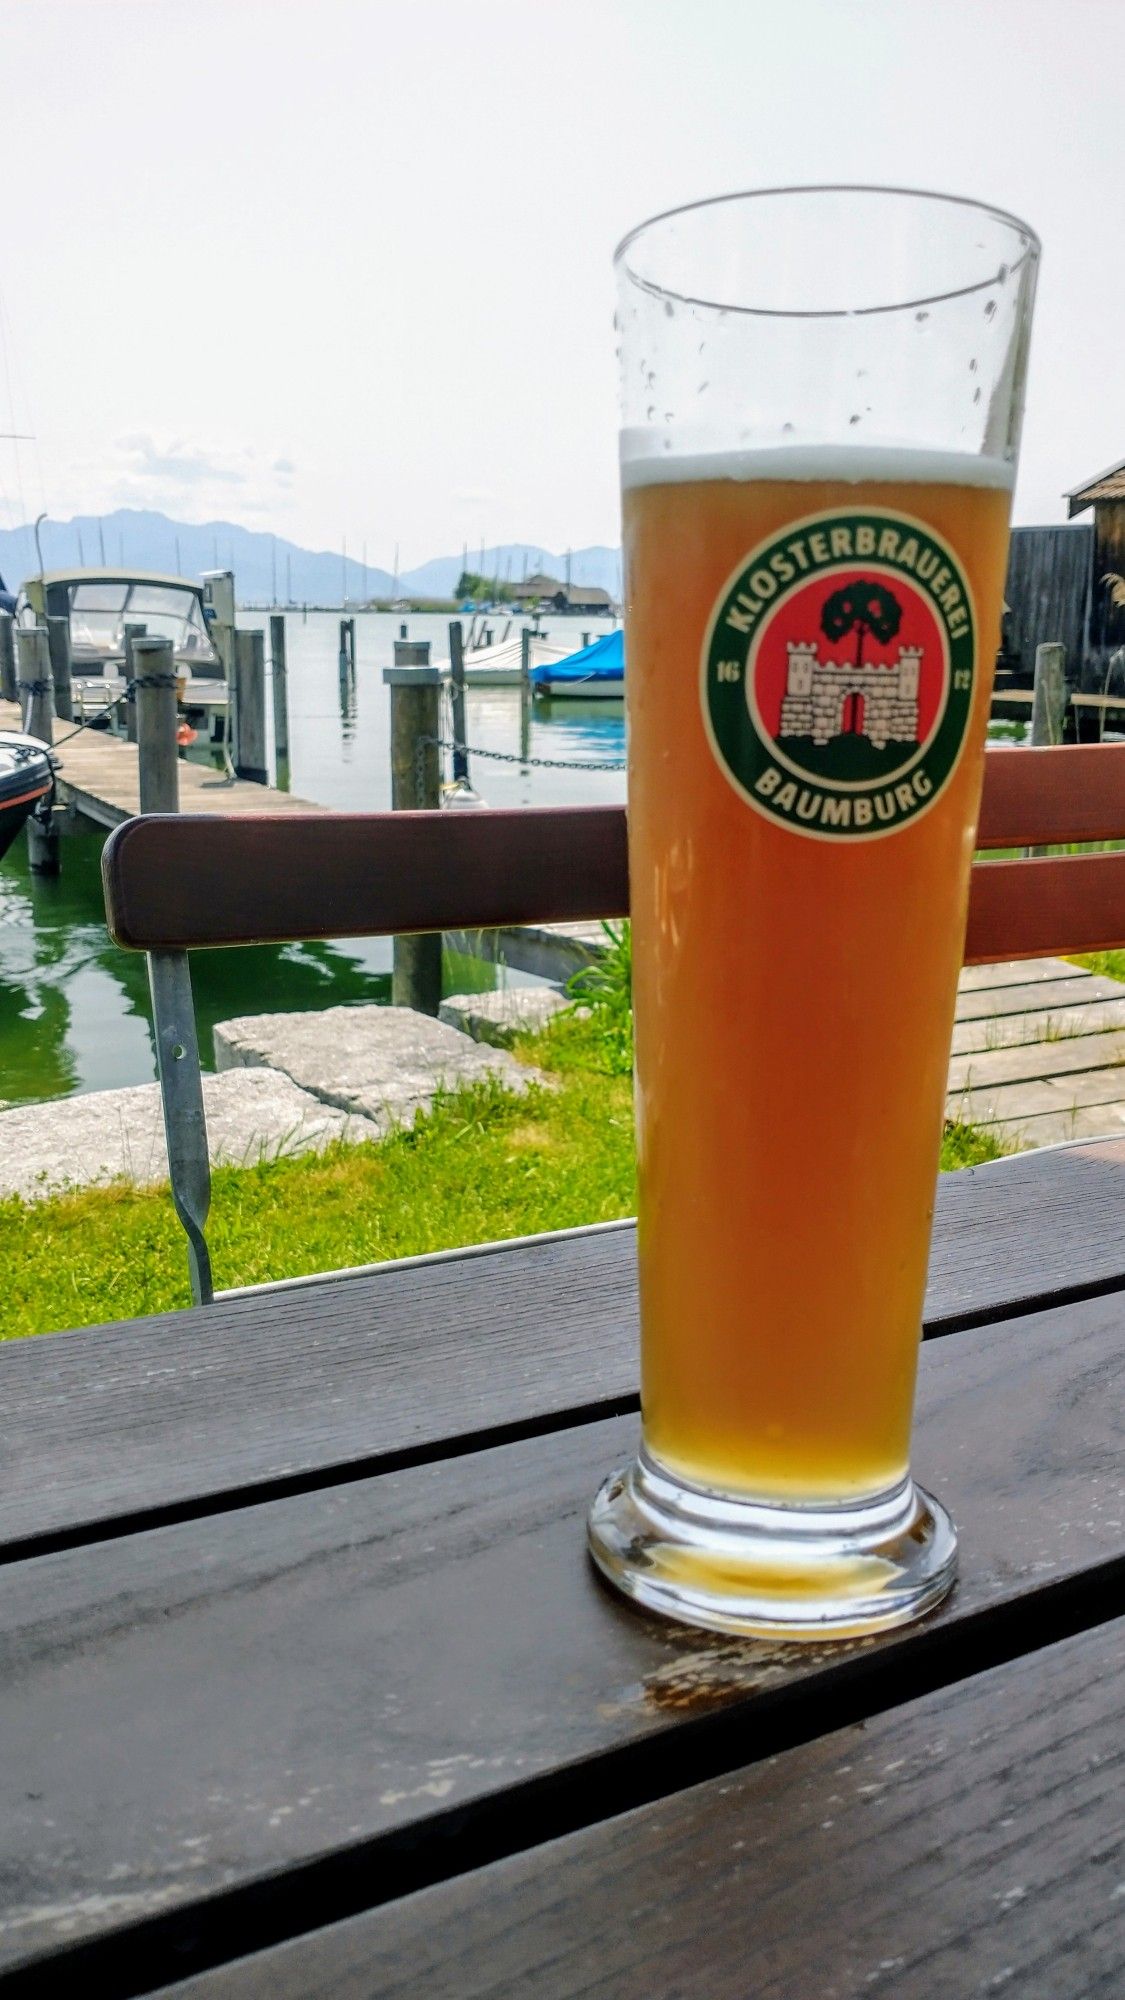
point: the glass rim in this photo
(1031, 252)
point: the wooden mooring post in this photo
(249, 694)
(1048, 706)
(154, 667)
(457, 702)
(1049, 703)
(58, 642)
(525, 693)
(131, 634)
(280, 678)
(347, 645)
(415, 688)
(36, 690)
(7, 658)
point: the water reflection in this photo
(74, 1010)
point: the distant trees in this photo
(488, 588)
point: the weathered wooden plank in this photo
(1059, 1128)
(404, 1670)
(182, 1411)
(1017, 972)
(1056, 1093)
(968, 1843)
(1070, 1055)
(982, 1003)
(100, 775)
(1004, 1031)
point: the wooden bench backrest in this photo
(175, 884)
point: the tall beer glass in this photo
(822, 394)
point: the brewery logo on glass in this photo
(838, 673)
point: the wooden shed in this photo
(1046, 598)
(1105, 628)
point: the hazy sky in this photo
(343, 266)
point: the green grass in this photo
(1110, 964)
(483, 1165)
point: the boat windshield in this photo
(99, 613)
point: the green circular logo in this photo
(838, 673)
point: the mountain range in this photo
(268, 569)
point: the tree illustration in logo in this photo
(863, 608)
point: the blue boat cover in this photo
(603, 661)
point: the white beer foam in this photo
(646, 461)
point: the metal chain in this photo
(36, 687)
(128, 693)
(513, 757)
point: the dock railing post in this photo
(36, 691)
(154, 667)
(131, 632)
(1049, 702)
(280, 676)
(457, 703)
(525, 693)
(7, 658)
(415, 688)
(250, 707)
(58, 641)
(1048, 705)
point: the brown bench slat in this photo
(176, 883)
(1028, 909)
(181, 883)
(954, 1845)
(1049, 797)
(228, 1723)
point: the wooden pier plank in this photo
(1072, 988)
(99, 776)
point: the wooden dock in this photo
(99, 780)
(1038, 1052)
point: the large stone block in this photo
(385, 1063)
(118, 1135)
(499, 1017)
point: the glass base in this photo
(732, 1565)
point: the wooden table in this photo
(306, 1687)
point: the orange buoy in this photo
(185, 734)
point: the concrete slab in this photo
(499, 1017)
(118, 1135)
(384, 1063)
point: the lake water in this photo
(74, 1010)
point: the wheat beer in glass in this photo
(822, 396)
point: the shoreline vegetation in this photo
(484, 1164)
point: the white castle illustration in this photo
(823, 700)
